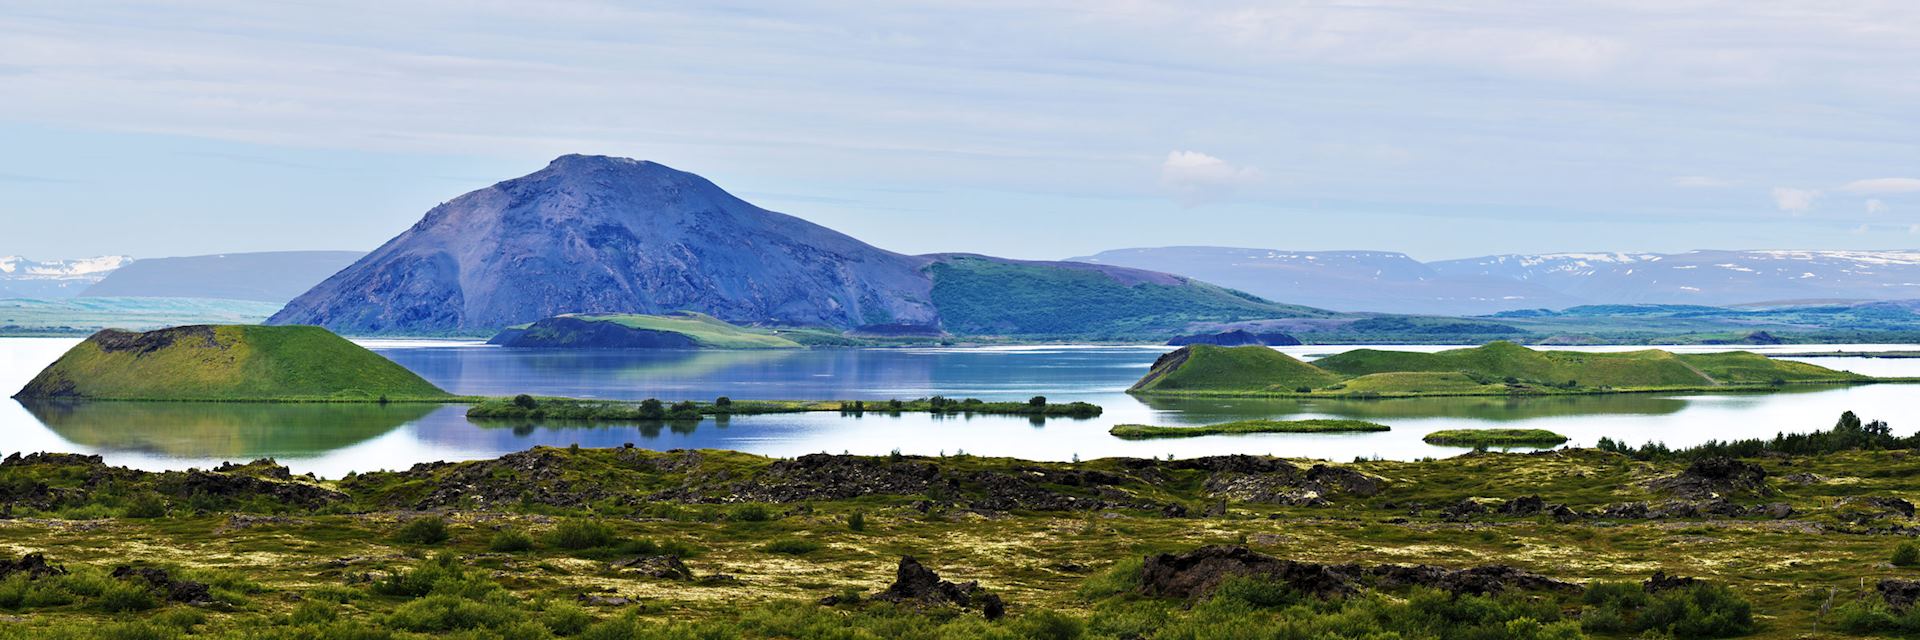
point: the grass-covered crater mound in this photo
(1142, 432)
(230, 363)
(1495, 438)
(684, 330)
(1498, 368)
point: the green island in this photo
(227, 363)
(1796, 536)
(525, 407)
(1497, 368)
(684, 330)
(1495, 438)
(1143, 432)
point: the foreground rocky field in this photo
(1805, 537)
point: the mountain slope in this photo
(1342, 280)
(226, 363)
(592, 234)
(980, 295)
(635, 331)
(274, 276)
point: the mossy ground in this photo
(270, 570)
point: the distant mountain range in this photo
(273, 276)
(594, 234)
(23, 278)
(1394, 283)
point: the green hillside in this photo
(1502, 360)
(979, 296)
(226, 363)
(632, 330)
(1499, 368)
(1203, 367)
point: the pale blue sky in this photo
(1030, 129)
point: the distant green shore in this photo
(1496, 369)
(526, 407)
(1144, 432)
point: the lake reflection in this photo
(334, 439)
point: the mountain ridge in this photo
(597, 234)
(1391, 282)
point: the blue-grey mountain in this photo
(1395, 283)
(271, 276)
(592, 234)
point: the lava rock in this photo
(186, 591)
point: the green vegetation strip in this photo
(525, 407)
(1143, 432)
(1495, 438)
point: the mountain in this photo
(273, 276)
(1395, 283)
(594, 234)
(1706, 277)
(634, 331)
(1344, 280)
(23, 278)
(225, 363)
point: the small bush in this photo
(427, 530)
(749, 512)
(577, 535)
(525, 401)
(791, 546)
(442, 613)
(510, 541)
(147, 505)
(1906, 555)
(857, 521)
(124, 596)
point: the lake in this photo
(332, 440)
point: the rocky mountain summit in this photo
(595, 234)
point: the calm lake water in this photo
(333, 440)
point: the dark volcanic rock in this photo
(1197, 573)
(1861, 508)
(32, 564)
(1273, 481)
(821, 476)
(1711, 477)
(163, 582)
(914, 583)
(538, 476)
(1899, 594)
(1663, 582)
(243, 487)
(664, 567)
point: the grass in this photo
(705, 331)
(1142, 432)
(1495, 438)
(1497, 368)
(338, 571)
(1250, 368)
(234, 363)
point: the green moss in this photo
(1498, 368)
(227, 363)
(1495, 438)
(1212, 368)
(1141, 432)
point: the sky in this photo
(1031, 129)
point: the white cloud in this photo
(1701, 182)
(1875, 205)
(1198, 177)
(1794, 200)
(1883, 185)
